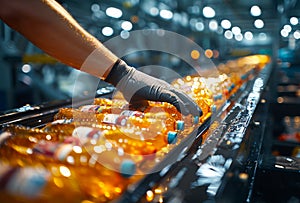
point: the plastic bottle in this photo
(27, 137)
(130, 144)
(158, 125)
(85, 144)
(96, 173)
(134, 125)
(130, 137)
(70, 113)
(38, 184)
(57, 182)
(97, 156)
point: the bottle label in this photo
(55, 150)
(85, 134)
(115, 119)
(62, 121)
(132, 113)
(91, 108)
(28, 182)
(63, 151)
(4, 136)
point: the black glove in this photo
(138, 87)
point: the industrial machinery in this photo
(246, 150)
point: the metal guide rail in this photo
(34, 116)
(194, 166)
(195, 170)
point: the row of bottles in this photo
(91, 153)
(112, 146)
(86, 154)
(211, 90)
(56, 182)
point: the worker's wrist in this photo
(117, 72)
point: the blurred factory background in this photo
(225, 29)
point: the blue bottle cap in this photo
(179, 125)
(244, 77)
(172, 137)
(196, 120)
(229, 88)
(220, 96)
(127, 168)
(213, 108)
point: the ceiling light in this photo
(228, 34)
(220, 30)
(226, 24)
(208, 53)
(195, 54)
(288, 28)
(213, 25)
(259, 23)
(113, 12)
(95, 7)
(193, 21)
(236, 30)
(154, 11)
(199, 26)
(126, 25)
(124, 34)
(255, 11)
(208, 12)
(166, 14)
(284, 33)
(294, 20)
(262, 36)
(26, 68)
(107, 31)
(238, 37)
(248, 35)
(297, 34)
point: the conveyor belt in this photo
(178, 180)
(35, 116)
(179, 170)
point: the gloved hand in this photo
(138, 87)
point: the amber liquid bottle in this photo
(102, 170)
(55, 182)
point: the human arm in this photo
(51, 28)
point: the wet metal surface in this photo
(199, 175)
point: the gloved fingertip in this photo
(197, 113)
(193, 109)
(200, 113)
(138, 104)
(183, 110)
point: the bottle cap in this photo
(220, 96)
(127, 168)
(172, 136)
(196, 120)
(244, 77)
(215, 97)
(213, 108)
(180, 125)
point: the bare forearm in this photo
(47, 25)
